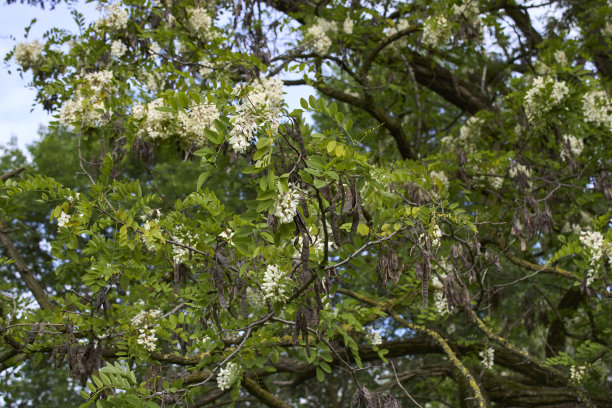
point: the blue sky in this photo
(18, 116)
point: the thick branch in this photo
(37, 291)
(262, 395)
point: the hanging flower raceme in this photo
(286, 205)
(317, 35)
(544, 94)
(272, 286)
(28, 55)
(228, 375)
(87, 106)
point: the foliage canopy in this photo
(437, 235)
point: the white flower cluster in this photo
(261, 106)
(154, 121)
(318, 37)
(594, 242)
(517, 169)
(228, 375)
(144, 316)
(317, 244)
(440, 181)
(468, 10)
(272, 287)
(147, 338)
(62, 220)
(28, 55)
(401, 25)
(118, 49)
(577, 373)
(115, 19)
(488, 357)
(227, 235)
(255, 298)
(347, 26)
(598, 109)
(440, 304)
(205, 67)
(573, 145)
(436, 31)
(560, 57)
(286, 205)
(468, 132)
(374, 338)
(543, 96)
(88, 105)
(436, 234)
(194, 122)
(200, 21)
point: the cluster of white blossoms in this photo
(440, 302)
(488, 357)
(317, 243)
(154, 121)
(436, 234)
(436, 31)
(118, 49)
(440, 181)
(227, 235)
(260, 107)
(146, 334)
(519, 169)
(179, 252)
(318, 37)
(573, 145)
(205, 67)
(63, 220)
(577, 373)
(200, 21)
(544, 94)
(374, 338)
(147, 338)
(560, 57)
(594, 242)
(598, 109)
(115, 19)
(199, 118)
(87, 107)
(347, 26)
(468, 10)
(272, 286)
(286, 205)
(144, 316)
(255, 298)
(28, 55)
(228, 375)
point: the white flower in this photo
(227, 235)
(374, 338)
(318, 35)
(88, 107)
(596, 246)
(62, 220)
(155, 48)
(560, 57)
(228, 375)
(147, 338)
(286, 205)
(573, 145)
(200, 21)
(540, 100)
(116, 18)
(468, 10)
(517, 169)
(597, 108)
(199, 118)
(347, 26)
(272, 286)
(440, 304)
(144, 316)
(488, 357)
(28, 54)
(436, 31)
(577, 373)
(118, 48)
(440, 182)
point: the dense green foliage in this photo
(437, 236)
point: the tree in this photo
(438, 236)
